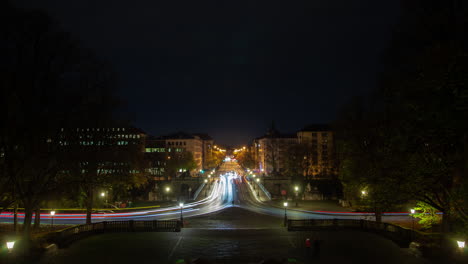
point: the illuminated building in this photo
(319, 139)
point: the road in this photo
(228, 188)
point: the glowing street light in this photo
(364, 192)
(10, 245)
(461, 244)
(412, 217)
(168, 189)
(206, 180)
(103, 194)
(285, 213)
(296, 190)
(52, 213)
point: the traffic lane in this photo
(211, 204)
(250, 202)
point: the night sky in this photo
(228, 68)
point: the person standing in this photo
(308, 248)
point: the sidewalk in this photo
(326, 205)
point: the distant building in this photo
(108, 136)
(156, 156)
(271, 150)
(207, 151)
(101, 150)
(319, 139)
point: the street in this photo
(229, 188)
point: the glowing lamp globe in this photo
(461, 244)
(10, 245)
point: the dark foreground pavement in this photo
(232, 236)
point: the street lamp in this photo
(296, 190)
(461, 245)
(10, 245)
(285, 213)
(412, 219)
(52, 213)
(181, 216)
(103, 194)
(258, 189)
(168, 189)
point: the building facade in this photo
(319, 141)
(207, 151)
(271, 150)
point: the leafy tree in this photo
(370, 159)
(96, 160)
(246, 158)
(47, 83)
(427, 214)
(36, 59)
(183, 160)
(215, 158)
(415, 132)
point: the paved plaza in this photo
(244, 237)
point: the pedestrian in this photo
(308, 247)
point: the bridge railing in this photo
(67, 236)
(267, 193)
(197, 192)
(399, 235)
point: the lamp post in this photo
(103, 194)
(206, 191)
(168, 189)
(52, 213)
(258, 187)
(181, 216)
(10, 245)
(461, 245)
(296, 191)
(412, 220)
(285, 213)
